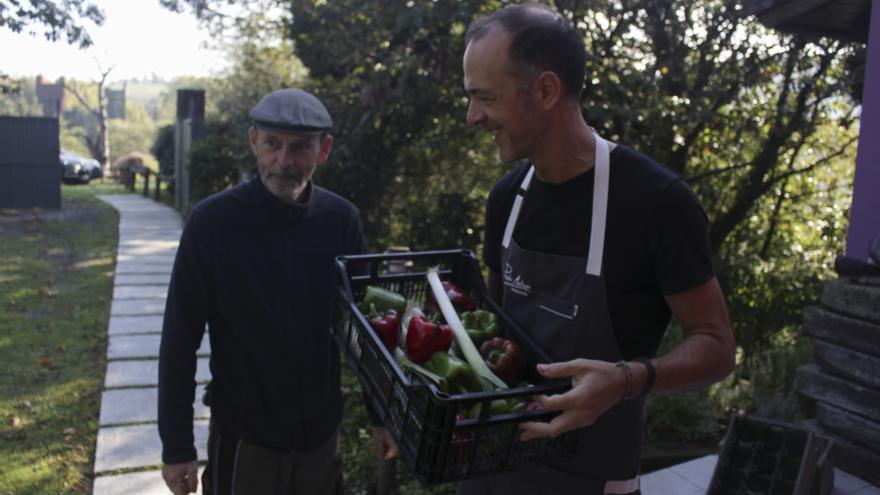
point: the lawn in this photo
(56, 285)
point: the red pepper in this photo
(505, 359)
(424, 338)
(458, 297)
(387, 326)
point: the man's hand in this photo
(383, 445)
(181, 478)
(596, 386)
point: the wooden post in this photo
(146, 172)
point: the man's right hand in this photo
(181, 478)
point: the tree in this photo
(18, 97)
(99, 144)
(753, 119)
(56, 19)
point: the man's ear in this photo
(326, 146)
(252, 139)
(548, 89)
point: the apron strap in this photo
(517, 205)
(600, 207)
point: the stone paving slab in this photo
(139, 405)
(146, 248)
(698, 471)
(135, 324)
(145, 372)
(140, 292)
(693, 477)
(139, 483)
(123, 307)
(147, 259)
(120, 447)
(161, 225)
(130, 267)
(144, 346)
(143, 279)
(668, 482)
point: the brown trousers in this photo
(239, 467)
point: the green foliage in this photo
(19, 97)
(689, 417)
(218, 159)
(392, 81)
(762, 381)
(163, 149)
(135, 133)
(56, 20)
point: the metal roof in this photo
(841, 19)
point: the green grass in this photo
(55, 291)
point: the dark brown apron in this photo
(561, 302)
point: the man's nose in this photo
(474, 115)
(289, 158)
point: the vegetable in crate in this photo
(460, 300)
(481, 325)
(505, 359)
(384, 299)
(459, 376)
(465, 345)
(424, 338)
(386, 325)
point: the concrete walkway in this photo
(693, 478)
(128, 452)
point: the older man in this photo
(255, 264)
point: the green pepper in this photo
(496, 407)
(459, 376)
(481, 325)
(384, 299)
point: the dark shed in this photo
(30, 169)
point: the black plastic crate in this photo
(436, 446)
(762, 456)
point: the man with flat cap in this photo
(255, 264)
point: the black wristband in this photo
(650, 379)
(627, 389)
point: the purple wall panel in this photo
(864, 220)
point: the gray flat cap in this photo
(292, 110)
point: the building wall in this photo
(30, 169)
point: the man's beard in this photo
(288, 191)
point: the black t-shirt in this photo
(656, 239)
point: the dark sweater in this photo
(261, 274)
(656, 238)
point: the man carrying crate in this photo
(591, 247)
(255, 263)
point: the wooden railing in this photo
(146, 173)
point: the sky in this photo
(139, 38)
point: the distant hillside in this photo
(143, 92)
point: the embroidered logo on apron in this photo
(515, 283)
